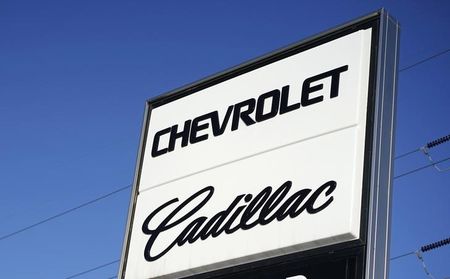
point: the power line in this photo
(426, 248)
(426, 151)
(428, 145)
(421, 168)
(407, 153)
(403, 255)
(93, 269)
(424, 60)
(65, 212)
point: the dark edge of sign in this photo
(345, 249)
(368, 147)
(134, 192)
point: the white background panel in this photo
(309, 146)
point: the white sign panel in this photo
(267, 163)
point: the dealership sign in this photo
(265, 160)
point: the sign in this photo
(262, 161)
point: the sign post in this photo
(278, 168)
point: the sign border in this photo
(371, 249)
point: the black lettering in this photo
(307, 89)
(253, 207)
(155, 233)
(227, 227)
(334, 90)
(216, 127)
(274, 200)
(244, 115)
(189, 233)
(275, 96)
(212, 227)
(242, 111)
(155, 151)
(184, 135)
(335, 74)
(284, 106)
(291, 206)
(265, 202)
(164, 226)
(196, 127)
(329, 187)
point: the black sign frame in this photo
(361, 256)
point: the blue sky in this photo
(74, 77)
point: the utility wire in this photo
(426, 151)
(421, 168)
(407, 153)
(65, 212)
(426, 248)
(424, 60)
(403, 255)
(93, 269)
(427, 146)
